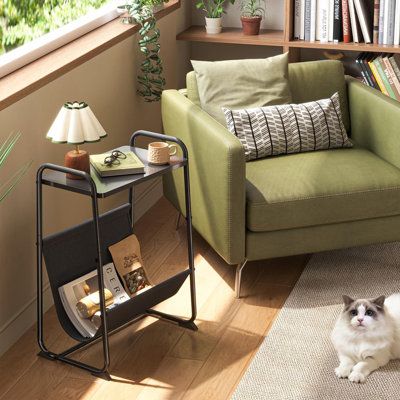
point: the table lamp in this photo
(76, 124)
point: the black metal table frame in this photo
(187, 323)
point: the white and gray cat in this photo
(366, 336)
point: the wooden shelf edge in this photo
(228, 35)
(266, 37)
(341, 46)
(24, 81)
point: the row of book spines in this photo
(318, 20)
(382, 73)
(346, 20)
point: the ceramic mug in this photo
(160, 152)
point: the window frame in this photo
(37, 48)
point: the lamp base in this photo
(77, 160)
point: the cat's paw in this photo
(357, 377)
(342, 372)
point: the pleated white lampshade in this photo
(75, 124)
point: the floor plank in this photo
(154, 359)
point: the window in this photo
(29, 31)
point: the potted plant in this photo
(214, 10)
(151, 78)
(252, 13)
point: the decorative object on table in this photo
(81, 300)
(76, 124)
(117, 163)
(151, 80)
(214, 10)
(5, 150)
(252, 13)
(159, 153)
(129, 265)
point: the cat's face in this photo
(363, 314)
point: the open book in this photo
(81, 299)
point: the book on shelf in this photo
(123, 166)
(365, 15)
(313, 20)
(375, 29)
(81, 299)
(297, 20)
(331, 17)
(324, 20)
(307, 21)
(346, 22)
(337, 21)
(388, 22)
(382, 72)
(368, 21)
(396, 39)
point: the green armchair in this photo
(298, 203)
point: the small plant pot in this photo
(251, 25)
(213, 25)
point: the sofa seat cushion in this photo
(318, 188)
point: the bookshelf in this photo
(283, 39)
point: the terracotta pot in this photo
(251, 25)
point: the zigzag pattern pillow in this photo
(290, 128)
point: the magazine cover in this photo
(81, 299)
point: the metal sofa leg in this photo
(238, 278)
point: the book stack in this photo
(381, 72)
(368, 21)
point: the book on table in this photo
(123, 166)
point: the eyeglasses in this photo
(114, 158)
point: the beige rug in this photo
(296, 361)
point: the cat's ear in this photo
(347, 300)
(379, 301)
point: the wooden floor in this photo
(156, 360)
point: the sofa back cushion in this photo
(309, 81)
(242, 83)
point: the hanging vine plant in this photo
(150, 79)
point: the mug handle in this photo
(173, 148)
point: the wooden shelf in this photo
(275, 38)
(279, 38)
(341, 46)
(234, 36)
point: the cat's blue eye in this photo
(370, 313)
(353, 313)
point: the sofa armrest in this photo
(375, 121)
(217, 175)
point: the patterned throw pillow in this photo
(289, 128)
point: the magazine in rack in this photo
(81, 299)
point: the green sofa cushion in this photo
(238, 84)
(309, 81)
(317, 188)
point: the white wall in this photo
(108, 84)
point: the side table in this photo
(80, 249)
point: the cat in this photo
(366, 336)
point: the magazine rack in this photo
(78, 250)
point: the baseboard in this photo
(22, 320)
